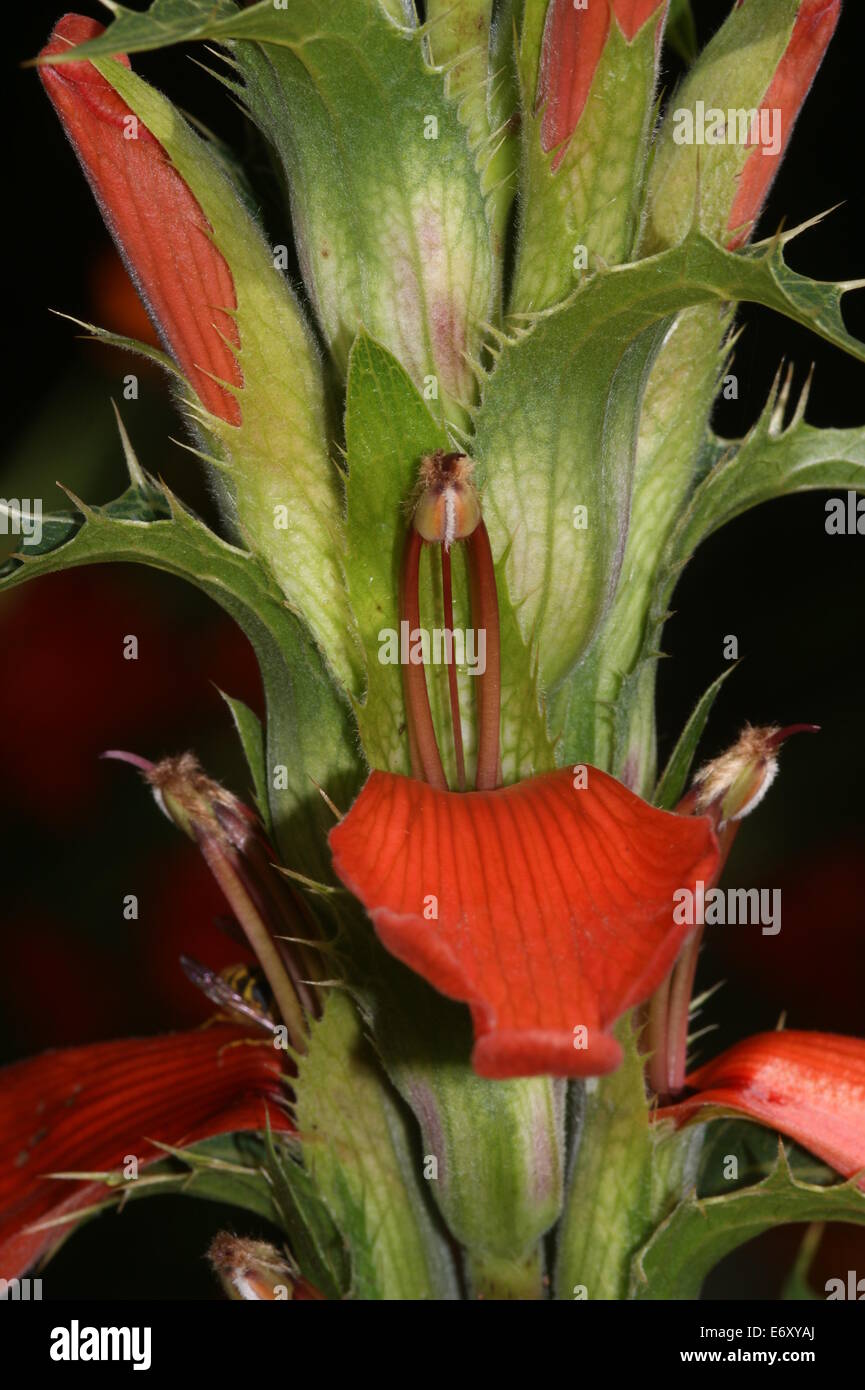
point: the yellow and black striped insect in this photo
(240, 992)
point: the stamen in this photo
(485, 616)
(453, 689)
(425, 757)
(447, 510)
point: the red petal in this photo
(632, 14)
(810, 1086)
(814, 27)
(555, 906)
(572, 46)
(160, 230)
(86, 1108)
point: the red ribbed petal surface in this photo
(160, 230)
(632, 14)
(810, 1086)
(814, 27)
(555, 906)
(572, 45)
(85, 1108)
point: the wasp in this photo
(239, 991)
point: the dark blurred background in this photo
(79, 834)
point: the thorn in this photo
(799, 412)
(133, 467)
(480, 372)
(784, 237)
(338, 815)
(222, 464)
(779, 409)
(76, 501)
(325, 889)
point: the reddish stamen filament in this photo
(485, 616)
(425, 756)
(448, 605)
(426, 759)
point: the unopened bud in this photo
(251, 1270)
(734, 783)
(235, 850)
(192, 800)
(447, 508)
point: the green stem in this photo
(607, 1207)
(626, 1178)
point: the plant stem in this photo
(607, 1213)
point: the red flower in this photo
(546, 908)
(160, 230)
(87, 1109)
(572, 46)
(814, 27)
(810, 1086)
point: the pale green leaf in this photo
(502, 1202)
(557, 426)
(251, 735)
(681, 31)
(358, 1152)
(671, 784)
(773, 460)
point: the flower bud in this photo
(195, 803)
(238, 855)
(585, 142)
(388, 212)
(184, 277)
(728, 125)
(252, 1270)
(736, 782)
(254, 392)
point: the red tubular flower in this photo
(814, 27)
(810, 1086)
(158, 226)
(572, 46)
(86, 1109)
(547, 908)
